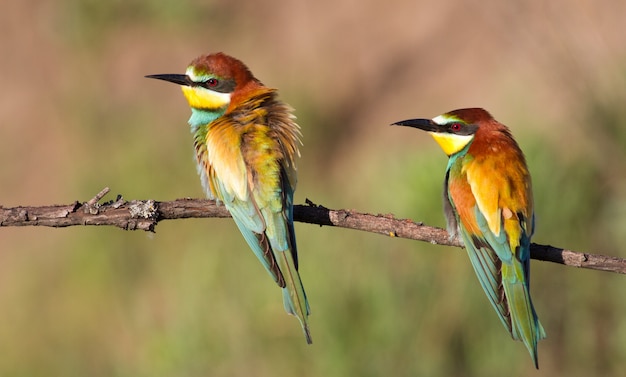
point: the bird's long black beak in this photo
(170, 77)
(422, 124)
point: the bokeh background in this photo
(76, 115)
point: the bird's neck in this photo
(202, 117)
(458, 155)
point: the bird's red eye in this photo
(212, 82)
(456, 126)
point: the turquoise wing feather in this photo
(249, 221)
(256, 181)
(487, 267)
(504, 275)
(276, 207)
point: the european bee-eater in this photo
(488, 201)
(246, 144)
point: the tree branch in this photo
(146, 214)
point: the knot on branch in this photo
(143, 209)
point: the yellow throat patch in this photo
(451, 143)
(201, 98)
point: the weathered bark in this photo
(146, 214)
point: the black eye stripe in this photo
(460, 128)
(217, 85)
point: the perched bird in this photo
(246, 144)
(488, 201)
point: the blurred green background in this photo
(76, 115)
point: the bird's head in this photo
(211, 81)
(454, 130)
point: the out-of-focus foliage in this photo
(76, 115)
